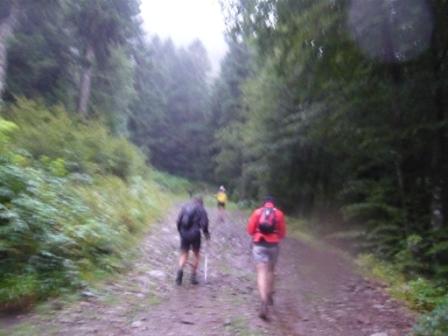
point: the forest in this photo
(337, 108)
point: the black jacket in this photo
(192, 218)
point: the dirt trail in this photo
(317, 294)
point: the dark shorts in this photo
(190, 242)
(221, 205)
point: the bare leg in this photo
(220, 218)
(194, 267)
(263, 281)
(183, 259)
(263, 288)
(270, 284)
(195, 263)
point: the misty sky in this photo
(186, 20)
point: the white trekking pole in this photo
(206, 262)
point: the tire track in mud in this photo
(317, 294)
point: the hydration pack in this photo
(266, 223)
(186, 220)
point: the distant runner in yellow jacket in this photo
(221, 197)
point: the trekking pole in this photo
(206, 262)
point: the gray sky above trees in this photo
(185, 21)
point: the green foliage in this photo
(114, 92)
(6, 129)
(54, 234)
(434, 323)
(57, 167)
(59, 226)
(425, 295)
(171, 183)
(169, 117)
(420, 294)
(50, 134)
(92, 56)
(300, 228)
(103, 23)
(18, 292)
(324, 104)
(36, 209)
(40, 62)
(340, 114)
(47, 55)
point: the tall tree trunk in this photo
(85, 85)
(395, 72)
(6, 31)
(439, 160)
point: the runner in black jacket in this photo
(192, 219)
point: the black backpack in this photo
(187, 218)
(266, 222)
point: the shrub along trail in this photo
(317, 294)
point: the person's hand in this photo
(207, 235)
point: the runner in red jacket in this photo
(267, 227)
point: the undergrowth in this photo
(299, 228)
(74, 201)
(434, 323)
(419, 293)
(422, 295)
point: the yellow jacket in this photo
(221, 197)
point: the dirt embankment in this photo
(317, 294)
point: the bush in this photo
(55, 233)
(172, 183)
(36, 210)
(17, 293)
(6, 128)
(434, 323)
(424, 295)
(419, 293)
(124, 159)
(52, 134)
(61, 223)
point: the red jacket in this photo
(275, 237)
